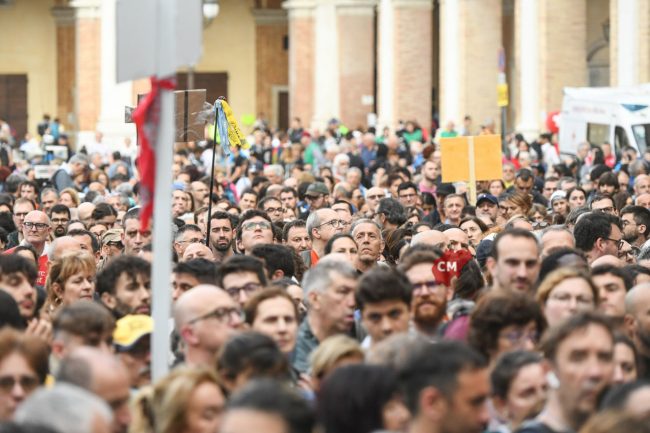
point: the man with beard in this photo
(429, 301)
(370, 243)
(222, 230)
(133, 238)
(580, 354)
(59, 217)
(637, 322)
(514, 263)
(430, 175)
(636, 225)
(273, 208)
(124, 286)
(487, 208)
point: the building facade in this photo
(360, 61)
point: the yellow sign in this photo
(457, 158)
(468, 159)
(502, 95)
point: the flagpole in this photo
(162, 239)
(214, 154)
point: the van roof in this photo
(637, 95)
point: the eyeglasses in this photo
(222, 314)
(35, 226)
(274, 210)
(608, 209)
(249, 289)
(540, 225)
(619, 242)
(519, 337)
(60, 221)
(333, 223)
(27, 383)
(254, 225)
(375, 197)
(427, 286)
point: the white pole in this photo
(162, 241)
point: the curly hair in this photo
(496, 311)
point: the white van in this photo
(618, 115)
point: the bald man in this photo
(62, 245)
(197, 250)
(373, 195)
(431, 237)
(637, 305)
(205, 317)
(102, 374)
(84, 212)
(322, 225)
(643, 200)
(458, 239)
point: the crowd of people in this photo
(330, 282)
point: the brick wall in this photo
(356, 64)
(65, 69)
(301, 67)
(88, 72)
(563, 41)
(413, 50)
(272, 64)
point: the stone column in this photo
(114, 96)
(625, 41)
(326, 64)
(450, 74)
(527, 51)
(563, 50)
(356, 61)
(301, 59)
(404, 61)
(88, 43)
(64, 18)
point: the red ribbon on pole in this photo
(146, 117)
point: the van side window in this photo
(620, 138)
(642, 136)
(597, 133)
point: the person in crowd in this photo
(273, 312)
(384, 299)
(565, 292)
(71, 278)
(132, 343)
(504, 322)
(519, 389)
(514, 263)
(23, 368)
(598, 234)
(329, 289)
(322, 225)
(205, 317)
(124, 286)
(580, 356)
(222, 233)
(241, 277)
(254, 227)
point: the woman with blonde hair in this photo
(564, 292)
(188, 400)
(70, 198)
(71, 278)
(514, 203)
(332, 353)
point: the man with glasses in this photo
(636, 225)
(322, 225)
(598, 234)
(60, 217)
(407, 193)
(254, 228)
(241, 277)
(429, 297)
(273, 208)
(186, 235)
(603, 203)
(205, 318)
(36, 232)
(22, 207)
(373, 195)
(112, 245)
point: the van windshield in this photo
(642, 136)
